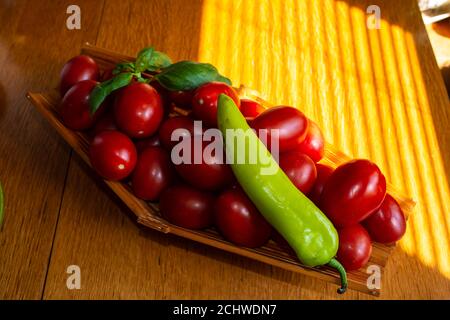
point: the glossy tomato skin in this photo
(388, 223)
(182, 99)
(204, 102)
(300, 169)
(291, 123)
(164, 95)
(187, 207)
(113, 155)
(355, 247)
(250, 108)
(153, 173)
(239, 221)
(149, 142)
(323, 173)
(138, 110)
(354, 191)
(75, 107)
(211, 173)
(170, 125)
(314, 144)
(77, 69)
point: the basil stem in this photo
(188, 75)
(102, 90)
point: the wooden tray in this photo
(148, 213)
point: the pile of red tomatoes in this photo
(131, 141)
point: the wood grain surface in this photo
(376, 93)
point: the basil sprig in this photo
(187, 75)
(158, 61)
(123, 67)
(144, 59)
(151, 60)
(104, 89)
(148, 60)
(180, 76)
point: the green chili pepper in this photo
(307, 230)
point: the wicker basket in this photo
(148, 215)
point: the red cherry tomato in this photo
(250, 108)
(170, 125)
(388, 223)
(112, 155)
(138, 110)
(300, 169)
(355, 247)
(164, 94)
(105, 123)
(354, 191)
(314, 144)
(143, 144)
(153, 173)
(239, 221)
(186, 207)
(211, 173)
(182, 99)
(204, 102)
(75, 107)
(107, 74)
(291, 123)
(77, 69)
(323, 173)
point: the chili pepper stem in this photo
(338, 266)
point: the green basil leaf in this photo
(142, 80)
(104, 89)
(144, 59)
(97, 96)
(158, 61)
(125, 66)
(223, 79)
(1, 205)
(188, 75)
(151, 60)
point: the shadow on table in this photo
(2, 101)
(34, 44)
(401, 269)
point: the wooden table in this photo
(377, 93)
